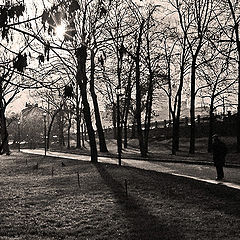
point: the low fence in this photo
(163, 130)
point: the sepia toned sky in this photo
(35, 7)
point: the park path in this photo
(204, 173)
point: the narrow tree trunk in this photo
(114, 117)
(192, 108)
(81, 77)
(211, 123)
(138, 112)
(148, 114)
(238, 109)
(82, 131)
(60, 129)
(4, 147)
(133, 135)
(50, 126)
(138, 96)
(126, 108)
(176, 120)
(78, 119)
(102, 142)
(174, 138)
(125, 132)
(177, 126)
(236, 30)
(211, 130)
(148, 110)
(69, 128)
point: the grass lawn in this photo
(36, 205)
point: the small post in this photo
(78, 179)
(82, 133)
(126, 188)
(26, 161)
(45, 134)
(19, 135)
(52, 171)
(198, 119)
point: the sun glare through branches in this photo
(60, 31)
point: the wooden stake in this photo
(78, 179)
(126, 188)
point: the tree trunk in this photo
(238, 108)
(60, 129)
(211, 130)
(82, 131)
(102, 142)
(125, 132)
(126, 108)
(138, 96)
(4, 147)
(78, 120)
(114, 121)
(81, 77)
(133, 134)
(148, 110)
(176, 120)
(174, 137)
(69, 128)
(177, 126)
(192, 108)
(50, 126)
(138, 112)
(236, 30)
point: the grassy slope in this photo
(35, 205)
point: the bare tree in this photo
(229, 22)
(195, 18)
(174, 67)
(216, 79)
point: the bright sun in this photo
(60, 31)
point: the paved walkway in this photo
(197, 172)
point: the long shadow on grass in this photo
(140, 222)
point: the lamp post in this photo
(119, 93)
(19, 135)
(45, 134)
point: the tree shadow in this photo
(140, 222)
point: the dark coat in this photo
(219, 150)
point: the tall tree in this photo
(233, 10)
(195, 18)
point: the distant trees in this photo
(195, 19)
(216, 80)
(228, 21)
(175, 65)
(14, 69)
(142, 49)
(99, 46)
(201, 34)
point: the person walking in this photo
(219, 151)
